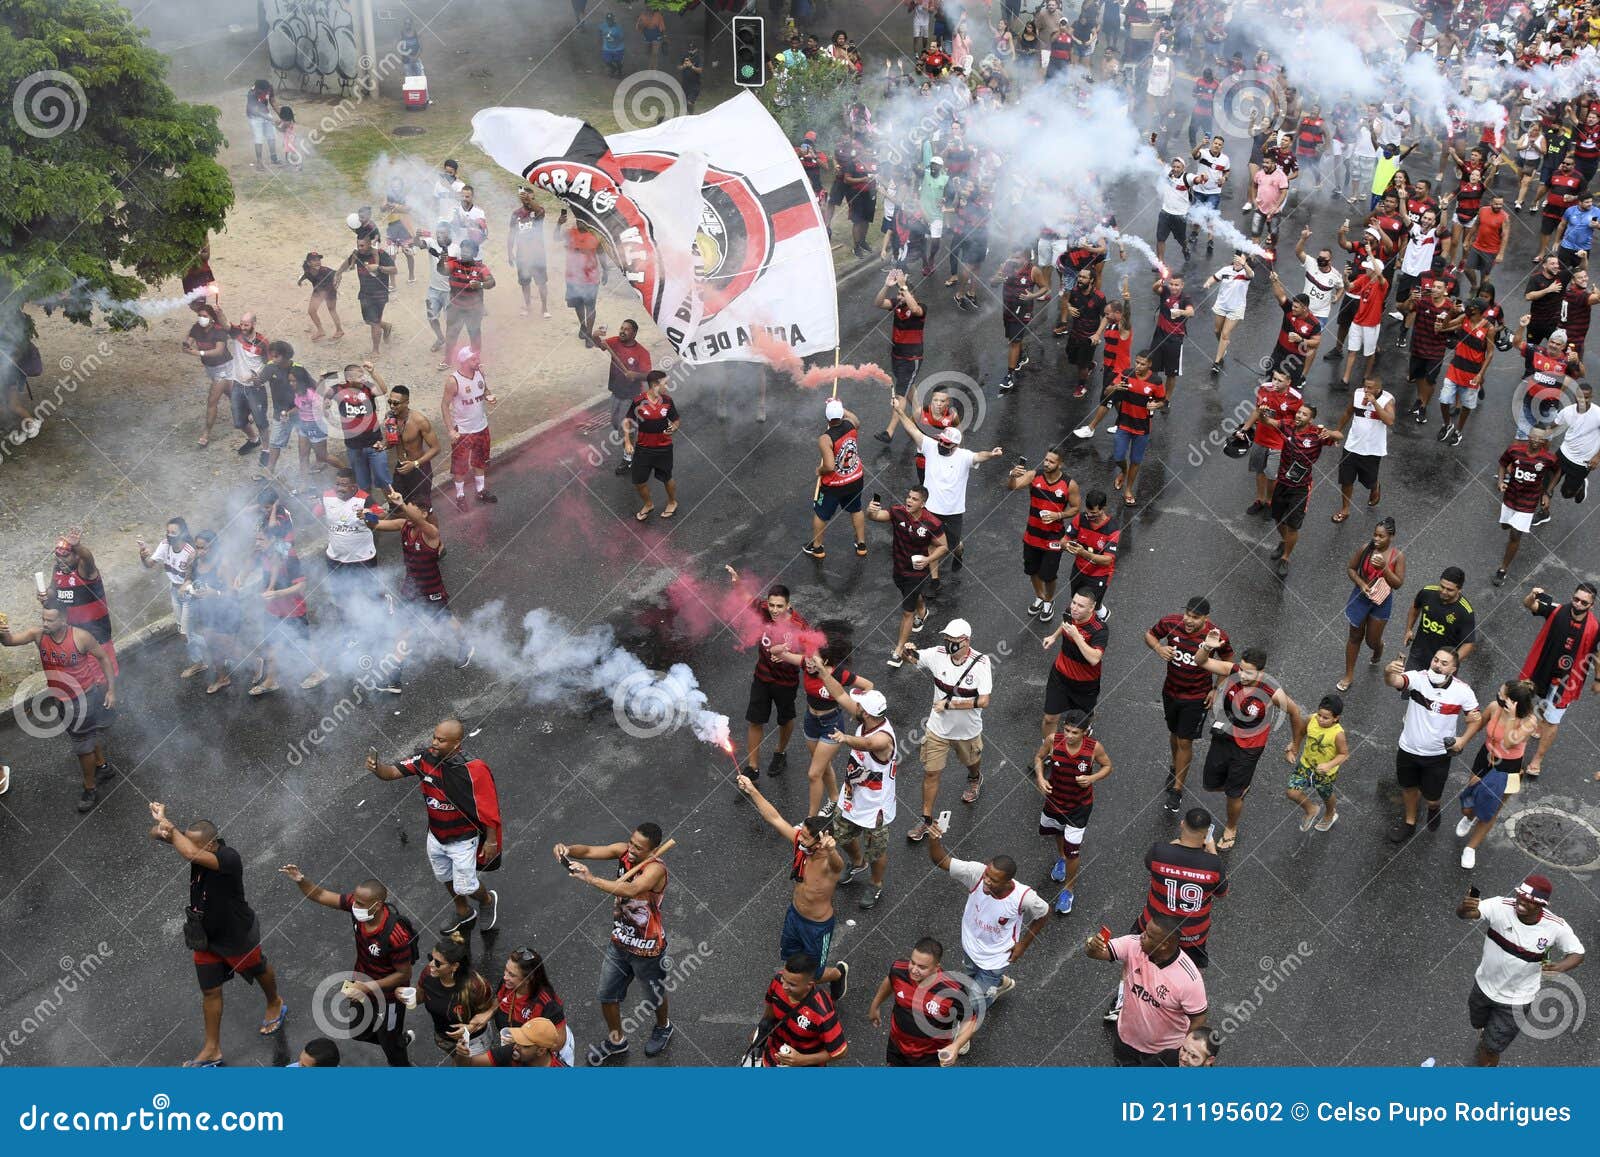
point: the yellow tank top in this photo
(1322, 743)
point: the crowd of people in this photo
(1415, 264)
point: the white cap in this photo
(873, 703)
(957, 629)
(354, 220)
(935, 160)
(1559, 335)
(834, 409)
(951, 435)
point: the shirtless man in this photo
(808, 926)
(411, 438)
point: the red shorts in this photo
(471, 452)
(213, 970)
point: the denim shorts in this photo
(817, 727)
(620, 968)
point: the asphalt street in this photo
(1331, 949)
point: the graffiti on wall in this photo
(312, 42)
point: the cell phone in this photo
(1105, 934)
(566, 862)
(1473, 892)
(943, 821)
(1022, 460)
(877, 499)
(372, 753)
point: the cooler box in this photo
(415, 89)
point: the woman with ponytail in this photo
(1509, 723)
(1378, 569)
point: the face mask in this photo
(361, 914)
(953, 646)
(1437, 679)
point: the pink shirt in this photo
(1159, 1001)
(1269, 190)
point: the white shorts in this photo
(1049, 250)
(1231, 314)
(1548, 711)
(1515, 519)
(936, 227)
(1363, 339)
(1071, 835)
(455, 864)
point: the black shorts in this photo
(1128, 1057)
(1289, 506)
(1548, 225)
(1166, 355)
(1292, 360)
(1172, 225)
(1063, 694)
(765, 696)
(652, 459)
(952, 529)
(1080, 351)
(214, 967)
(416, 485)
(1362, 468)
(863, 208)
(1347, 311)
(838, 191)
(896, 1059)
(1425, 369)
(1497, 1022)
(1093, 584)
(973, 250)
(1186, 718)
(911, 587)
(1016, 322)
(1569, 257)
(372, 309)
(905, 374)
(1230, 768)
(1427, 772)
(1480, 262)
(1041, 562)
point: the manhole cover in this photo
(407, 131)
(1556, 837)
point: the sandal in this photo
(1342, 685)
(1375, 497)
(1532, 771)
(669, 512)
(218, 686)
(268, 1027)
(203, 440)
(644, 515)
(262, 689)
(973, 787)
(1129, 500)
(216, 1064)
(1340, 515)
(5, 779)
(1116, 483)
(1227, 841)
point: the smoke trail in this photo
(1220, 227)
(1137, 244)
(780, 355)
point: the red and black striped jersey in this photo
(1298, 456)
(926, 1016)
(1472, 350)
(84, 600)
(1116, 348)
(816, 692)
(808, 1027)
(1097, 539)
(518, 1008)
(1205, 96)
(652, 419)
(1305, 325)
(1061, 771)
(1091, 306)
(912, 536)
(1132, 397)
(905, 333)
(474, 784)
(768, 669)
(1045, 495)
(1183, 882)
(423, 580)
(1426, 341)
(389, 948)
(1070, 663)
(1563, 194)
(1165, 304)
(1185, 680)
(1527, 475)
(1311, 136)
(1017, 280)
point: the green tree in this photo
(810, 95)
(107, 181)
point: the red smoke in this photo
(705, 609)
(780, 355)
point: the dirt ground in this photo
(119, 456)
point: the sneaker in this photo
(1402, 341)
(1059, 872)
(1455, 435)
(1256, 508)
(917, 623)
(935, 585)
(1084, 432)
(1033, 609)
(884, 438)
(244, 450)
(826, 810)
(919, 831)
(660, 1038)
(1216, 369)
(1283, 568)
(1174, 800)
(814, 550)
(837, 988)
(852, 873)
(490, 912)
(1420, 415)
(1047, 612)
(411, 1036)
(487, 498)
(1434, 816)
(463, 925)
(464, 655)
(1113, 1014)
(623, 467)
(1444, 433)
(1401, 832)
(1463, 826)
(88, 800)
(894, 662)
(1499, 578)
(1009, 384)
(1103, 613)
(1064, 902)
(607, 1048)
(31, 427)
(861, 550)
(460, 500)
(1333, 355)
(1006, 985)
(1397, 315)
(1469, 857)
(1277, 551)
(1542, 517)
(779, 763)
(1081, 392)
(870, 900)
(105, 773)
(1024, 362)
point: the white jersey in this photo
(1368, 435)
(1210, 171)
(1175, 194)
(1581, 439)
(964, 682)
(1418, 257)
(1232, 287)
(1323, 287)
(1513, 952)
(468, 411)
(1160, 80)
(867, 797)
(992, 925)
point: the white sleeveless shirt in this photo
(467, 408)
(867, 797)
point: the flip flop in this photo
(1116, 483)
(1532, 772)
(5, 779)
(644, 515)
(1375, 497)
(1340, 515)
(216, 1064)
(669, 512)
(1342, 685)
(268, 1027)
(1226, 842)
(259, 690)
(1129, 500)
(202, 441)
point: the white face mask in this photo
(361, 914)
(1437, 679)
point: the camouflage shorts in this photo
(874, 841)
(1305, 778)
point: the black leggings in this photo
(1574, 478)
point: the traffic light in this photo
(749, 51)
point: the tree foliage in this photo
(107, 181)
(810, 95)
